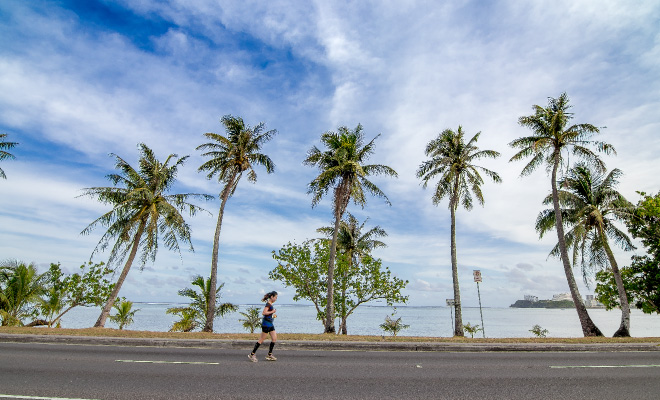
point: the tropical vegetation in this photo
(305, 268)
(451, 160)
(195, 314)
(4, 154)
(393, 326)
(551, 141)
(46, 297)
(142, 211)
(231, 156)
(356, 244)
(252, 320)
(642, 278)
(124, 313)
(344, 172)
(590, 207)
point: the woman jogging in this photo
(267, 327)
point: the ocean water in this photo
(423, 321)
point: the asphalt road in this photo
(44, 371)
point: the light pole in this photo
(477, 278)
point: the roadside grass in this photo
(109, 332)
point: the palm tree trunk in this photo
(624, 328)
(458, 321)
(210, 311)
(330, 306)
(588, 326)
(100, 322)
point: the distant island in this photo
(561, 300)
(543, 304)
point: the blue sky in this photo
(82, 79)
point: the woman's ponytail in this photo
(269, 295)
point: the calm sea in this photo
(423, 321)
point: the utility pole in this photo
(477, 278)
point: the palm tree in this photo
(252, 319)
(590, 206)
(20, 288)
(231, 156)
(5, 154)
(551, 138)
(125, 314)
(343, 170)
(195, 314)
(355, 245)
(141, 211)
(451, 160)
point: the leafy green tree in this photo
(125, 313)
(252, 319)
(355, 244)
(305, 268)
(89, 287)
(194, 315)
(452, 161)
(393, 326)
(551, 140)
(590, 206)
(4, 154)
(642, 278)
(142, 210)
(230, 157)
(343, 170)
(20, 288)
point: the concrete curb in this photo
(330, 345)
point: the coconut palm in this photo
(552, 139)
(231, 156)
(20, 288)
(590, 205)
(355, 244)
(252, 319)
(142, 210)
(125, 313)
(194, 315)
(4, 154)
(451, 160)
(343, 171)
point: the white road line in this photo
(11, 396)
(168, 362)
(604, 366)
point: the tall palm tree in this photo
(451, 160)
(551, 140)
(4, 154)
(343, 171)
(590, 206)
(354, 244)
(231, 156)
(141, 211)
(195, 314)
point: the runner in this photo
(267, 327)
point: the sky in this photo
(80, 79)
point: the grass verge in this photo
(108, 332)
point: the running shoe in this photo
(252, 357)
(271, 357)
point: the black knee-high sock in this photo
(256, 346)
(272, 344)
